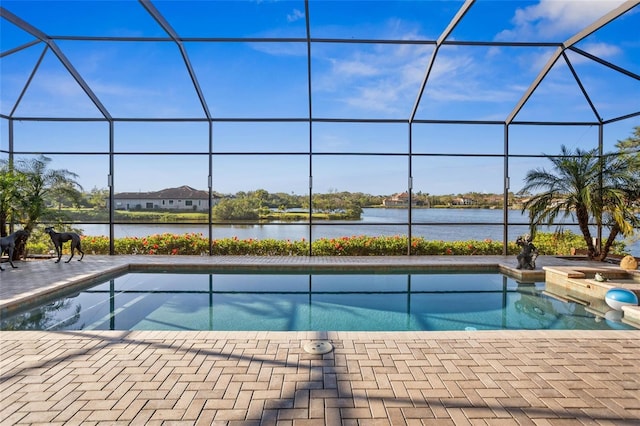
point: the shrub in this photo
(559, 243)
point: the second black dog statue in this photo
(58, 238)
(8, 244)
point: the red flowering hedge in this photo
(357, 245)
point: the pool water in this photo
(297, 301)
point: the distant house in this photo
(181, 198)
(398, 200)
(463, 201)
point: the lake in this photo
(439, 224)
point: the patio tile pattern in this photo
(266, 378)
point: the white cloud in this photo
(602, 50)
(354, 67)
(373, 77)
(497, 76)
(281, 49)
(388, 80)
(55, 94)
(377, 97)
(449, 64)
(379, 78)
(295, 15)
(535, 60)
(556, 19)
(57, 85)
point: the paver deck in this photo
(246, 378)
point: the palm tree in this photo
(39, 185)
(9, 184)
(596, 189)
(630, 148)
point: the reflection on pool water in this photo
(298, 301)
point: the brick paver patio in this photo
(246, 378)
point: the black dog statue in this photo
(528, 253)
(8, 244)
(58, 238)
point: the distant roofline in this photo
(183, 191)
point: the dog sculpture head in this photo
(17, 236)
(21, 235)
(523, 240)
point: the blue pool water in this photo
(302, 301)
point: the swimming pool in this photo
(302, 301)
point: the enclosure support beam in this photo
(505, 201)
(582, 89)
(410, 188)
(112, 207)
(310, 112)
(620, 10)
(456, 19)
(155, 13)
(4, 13)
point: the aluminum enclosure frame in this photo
(172, 36)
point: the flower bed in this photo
(357, 245)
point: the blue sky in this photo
(257, 79)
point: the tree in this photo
(236, 209)
(65, 194)
(632, 143)
(97, 198)
(40, 185)
(594, 188)
(630, 148)
(9, 184)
